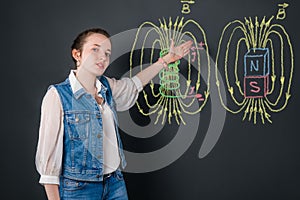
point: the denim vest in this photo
(83, 132)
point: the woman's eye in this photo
(107, 55)
(95, 49)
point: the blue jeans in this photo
(112, 187)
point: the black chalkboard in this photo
(241, 144)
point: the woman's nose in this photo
(101, 55)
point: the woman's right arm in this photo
(50, 144)
(52, 191)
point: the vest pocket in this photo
(78, 122)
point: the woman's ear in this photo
(76, 54)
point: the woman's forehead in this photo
(97, 39)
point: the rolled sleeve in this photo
(45, 179)
(138, 83)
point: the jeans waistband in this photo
(106, 176)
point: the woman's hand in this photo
(175, 53)
(178, 52)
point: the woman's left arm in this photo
(126, 90)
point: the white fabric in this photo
(111, 159)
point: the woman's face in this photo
(95, 55)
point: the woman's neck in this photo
(87, 80)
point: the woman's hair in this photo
(80, 39)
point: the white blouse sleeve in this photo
(50, 143)
(125, 91)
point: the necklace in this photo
(99, 99)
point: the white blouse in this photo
(50, 144)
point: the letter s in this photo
(253, 84)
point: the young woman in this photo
(79, 153)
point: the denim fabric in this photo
(83, 132)
(110, 188)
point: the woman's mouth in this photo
(100, 65)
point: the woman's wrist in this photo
(162, 61)
(167, 58)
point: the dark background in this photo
(248, 162)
